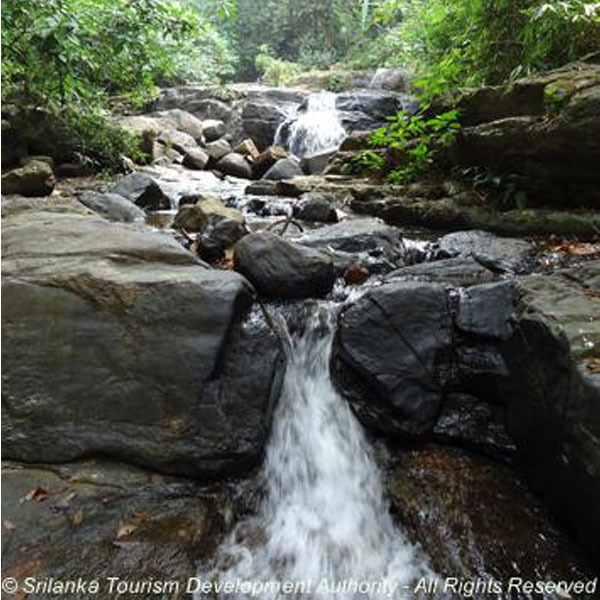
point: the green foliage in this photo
(59, 51)
(474, 42)
(500, 190)
(275, 71)
(419, 138)
(364, 163)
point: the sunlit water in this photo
(323, 525)
(315, 129)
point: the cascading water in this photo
(315, 129)
(323, 525)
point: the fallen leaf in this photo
(76, 479)
(77, 517)
(125, 530)
(9, 525)
(38, 494)
(157, 479)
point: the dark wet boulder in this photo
(477, 522)
(113, 207)
(282, 269)
(367, 109)
(264, 111)
(317, 208)
(316, 163)
(500, 254)
(487, 311)
(285, 168)
(555, 416)
(34, 179)
(470, 422)
(235, 165)
(393, 348)
(142, 190)
(120, 343)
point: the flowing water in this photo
(323, 525)
(315, 129)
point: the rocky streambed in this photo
(140, 377)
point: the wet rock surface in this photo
(96, 519)
(178, 402)
(476, 520)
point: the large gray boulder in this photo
(113, 207)
(282, 269)
(34, 179)
(500, 254)
(118, 342)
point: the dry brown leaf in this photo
(76, 479)
(9, 525)
(77, 517)
(38, 494)
(157, 479)
(125, 530)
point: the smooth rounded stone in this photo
(316, 208)
(499, 254)
(34, 179)
(113, 207)
(110, 325)
(282, 269)
(285, 168)
(470, 422)
(218, 149)
(488, 310)
(102, 519)
(214, 209)
(393, 349)
(476, 521)
(356, 274)
(195, 158)
(235, 165)
(67, 170)
(454, 271)
(142, 190)
(213, 129)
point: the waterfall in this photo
(315, 129)
(323, 525)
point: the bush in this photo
(275, 71)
